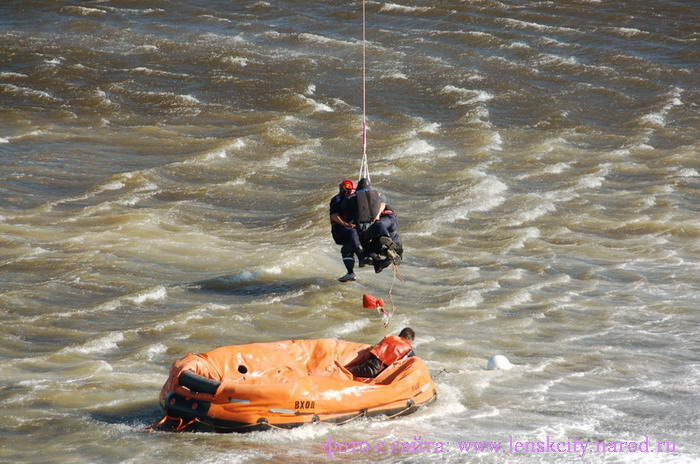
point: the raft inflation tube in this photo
(286, 384)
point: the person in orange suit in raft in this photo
(385, 353)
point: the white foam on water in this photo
(216, 154)
(688, 172)
(102, 344)
(131, 200)
(196, 314)
(84, 11)
(152, 352)
(116, 185)
(44, 390)
(280, 298)
(429, 128)
(239, 144)
(468, 96)
(146, 70)
(495, 142)
(393, 7)
(236, 60)
(658, 118)
(485, 412)
(449, 404)
(517, 23)
(319, 39)
(12, 74)
(550, 58)
(158, 293)
(300, 151)
(594, 180)
(316, 106)
(414, 149)
(243, 276)
(38, 251)
(545, 364)
(517, 45)
(557, 168)
(396, 75)
(628, 31)
(283, 438)
(133, 11)
(350, 327)
(54, 61)
(532, 213)
(471, 299)
(517, 298)
(215, 18)
(487, 193)
(148, 47)
(189, 98)
(28, 92)
(239, 456)
(479, 34)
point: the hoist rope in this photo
(364, 167)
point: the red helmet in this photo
(348, 184)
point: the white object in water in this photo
(498, 362)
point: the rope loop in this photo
(180, 426)
(152, 428)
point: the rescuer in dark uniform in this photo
(345, 233)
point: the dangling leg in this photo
(372, 251)
(356, 244)
(391, 242)
(349, 261)
(393, 228)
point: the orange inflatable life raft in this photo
(286, 384)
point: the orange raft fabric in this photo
(292, 382)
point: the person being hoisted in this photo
(376, 223)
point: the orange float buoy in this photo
(370, 302)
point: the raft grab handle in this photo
(198, 383)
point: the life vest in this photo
(391, 349)
(368, 205)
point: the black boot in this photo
(362, 261)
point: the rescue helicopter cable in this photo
(364, 167)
